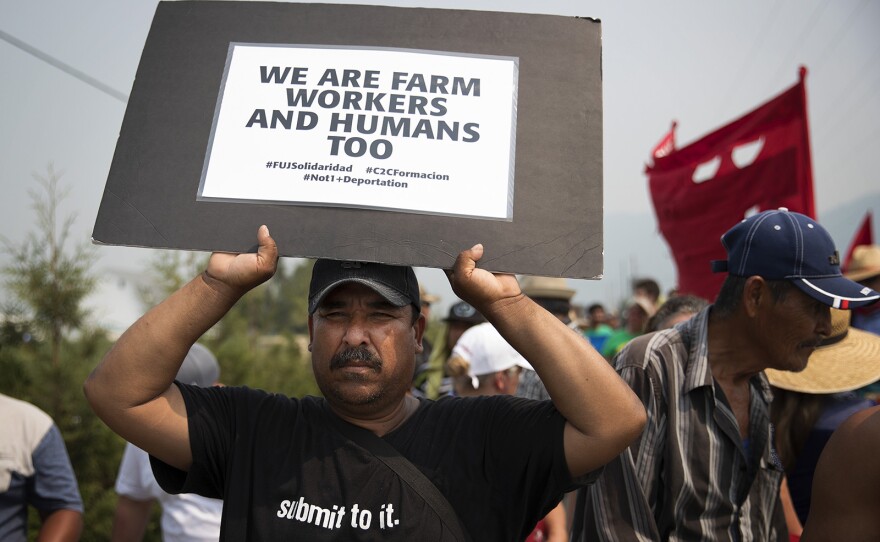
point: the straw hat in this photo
(425, 297)
(546, 287)
(865, 263)
(847, 360)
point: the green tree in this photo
(171, 269)
(44, 275)
(261, 342)
(48, 347)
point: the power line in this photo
(52, 61)
(843, 28)
(814, 18)
(850, 88)
(855, 105)
(748, 61)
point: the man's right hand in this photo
(131, 389)
(238, 273)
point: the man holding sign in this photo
(283, 465)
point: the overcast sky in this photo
(700, 63)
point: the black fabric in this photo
(498, 460)
(406, 470)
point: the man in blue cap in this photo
(704, 467)
(309, 468)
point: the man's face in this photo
(454, 330)
(363, 349)
(636, 318)
(791, 328)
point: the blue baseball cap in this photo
(784, 245)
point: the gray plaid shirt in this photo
(689, 476)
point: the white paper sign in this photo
(379, 128)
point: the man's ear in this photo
(501, 382)
(756, 293)
(419, 329)
(311, 332)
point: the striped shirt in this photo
(689, 476)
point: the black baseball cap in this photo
(464, 312)
(396, 283)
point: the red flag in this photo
(666, 145)
(759, 161)
(863, 236)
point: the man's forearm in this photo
(144, 361)
(61, 526)
(131, 389)
(582, 385)
(130, 520)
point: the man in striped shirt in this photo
(704, 468)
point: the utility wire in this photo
(64, 67)
(748, 60)
(851, 86)
(864, 145)
(843, 28)
(849, 90)
(785, 65)
(840, 121)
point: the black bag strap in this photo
(389, 455)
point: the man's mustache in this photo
(355, 356)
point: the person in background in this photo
(427, 301)
(705, 467)
(808, 406)
(675, 310)
(599, 330)
(185, 517)
(490, 366)
(636, 314)
(485, 363)
(553, 294)
(845, 494)
(865, 269)
(35, 471)
(431, 379)
(427, 346)
(649, 289)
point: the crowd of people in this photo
(678, 418)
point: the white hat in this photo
(486, 351)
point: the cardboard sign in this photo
(397, 135)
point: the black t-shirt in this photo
(285, 474)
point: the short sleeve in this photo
(135, 479)
(54, 485)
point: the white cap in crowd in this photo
(487, 351)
